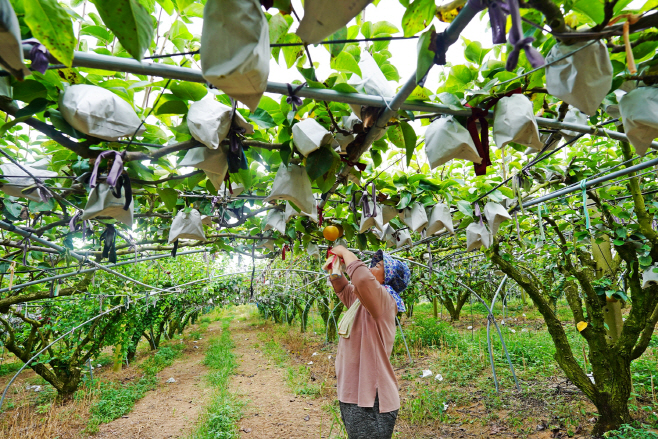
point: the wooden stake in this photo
(585, 357)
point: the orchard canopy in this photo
(153, 148)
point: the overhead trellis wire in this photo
(93, 269)
(328, 42)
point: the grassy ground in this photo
(460, 395)
(109, 396)
(224, 410)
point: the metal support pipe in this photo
(129, 65)
(12, 228)
(87, 270)
(590, 183)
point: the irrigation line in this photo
(492, 319)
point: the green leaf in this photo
(243, 176)
(283, 6)
(620, 295)
(344, 88)
(37, 206)
(463, 74)
(409, 140)
(335, 49)
(182, 4)
(130, 22)
(475, 53)
(376, 158)
(52, 26)
(193, 181)
(424, 55)
(169, 197)
(366, 29)
(62, 125)
(465, 207)
(450, 100)
(285, 152)
(14, 209)
(345, 62)
(644, 261)
(319, 162)
(172, 107)
(384, 27)
(396, 136)
(592, 8)
(5, 127)
(405, 200)
(167, 5)
(417, 16)
(279, 25)
(427, 185)
(36, 106)
(262, 118)
(291, 53)
(190, 91)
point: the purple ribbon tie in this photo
(498, 20)
(38, 55)
(518, 42)
(115, 172)
(292, 99)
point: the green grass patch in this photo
(629, 432)
(219, 420)
(7, 368)
(115, 400)
(298, 378)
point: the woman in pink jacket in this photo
(367, 387)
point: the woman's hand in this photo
(344, 254)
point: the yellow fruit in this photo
(341, 232)
(331, 233)
(581, 326)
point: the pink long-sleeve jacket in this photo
(363, 368)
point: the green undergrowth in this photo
(113, 400)
(7, 368)
(628, 432)
(219, 420)
(298, 377)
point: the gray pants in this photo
(367, 422)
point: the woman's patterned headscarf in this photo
(396, 276)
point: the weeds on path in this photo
(219, 421)
(115, 400)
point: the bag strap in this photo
(517, 40)
(115, 171)
(481, 139)
(123, 182)
(109, 238)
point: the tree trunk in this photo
(612, 401)
(435, 307)
(330, 312)
(303, 315)
(132, 347)
(455, 309)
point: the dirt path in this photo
(171, 410)
(272, 410)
